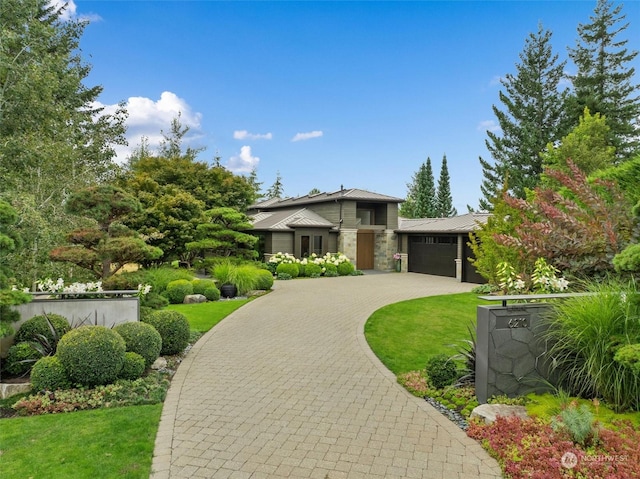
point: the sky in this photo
(327, 93)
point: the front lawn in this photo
(204, 316)
(405, 335)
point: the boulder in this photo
(159, 364)
(489, 412)
(195, 298)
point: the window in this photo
(304, 246)
(317, 245)
(366, 216)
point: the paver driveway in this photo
(287, 387)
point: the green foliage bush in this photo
(133, 366)
(313, 270)
(284, 277)
(345, 269)
(173, 328)
(38, 325)
(154, 301)
(577, 421)
(211, 293)
(18, 353)
(91, 355)
(141, 338)
(330, 270)
(441, 371)
(48, 374)
(288, 268)
(264, 280)
(177, 290)
(160, 277)
(246, 278)
(199, 285)
(629, 357)
(127, 280)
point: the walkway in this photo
(287, 387)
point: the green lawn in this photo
(114, 443)
(405, 335)
(204, 316)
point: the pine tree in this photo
(603, 82)
(444, 200)
(256, 185)
(531, 118)
(421, 195)
(276, 190)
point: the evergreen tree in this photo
(276, 190)
(421, 195)
(444, 199)
(531, 118)
(252, 179)
(603, 82)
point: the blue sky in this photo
(326, 93)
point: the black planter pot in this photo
(228, 291)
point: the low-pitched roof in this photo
(455, 224)
(287, 220)
(350, 194)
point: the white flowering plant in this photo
(543, 280)
(76, 290)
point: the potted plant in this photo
(226, 274)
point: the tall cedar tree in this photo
(531, 118)
(421, 195)
(603, 82)
(276, 190)
(444, 199)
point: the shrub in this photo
(441, 371)
(284, 277)
(577, 422)
(173, 328)
(288, 268)
(246, 278)
(313, 270)
(38, 325)
(133, 366)
(211, 293)
(159, 278)
(199, 285)
(225, 273)
(21, 357)
(48, 374)
(91, 355)
(154, 301)
(629, 357)
(330, 270)
(264, 280)
(178, 289)
(141, 338)
(584, 333)
(127, 280)
(346, 268)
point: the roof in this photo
(286, 220)
(455, 224)
(342, 194)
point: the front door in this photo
(366, 242)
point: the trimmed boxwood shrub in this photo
(48, 374)
(211, 293)
(346, 268)
(313, 270)
(21, 352)
(330, 270)
(441, 371)
(199, 285)
(133, 367)
(38, 325)
(288, 268)
(141, 338)
(264, 280)
(173, 328)
(178, 289)
(91, 355)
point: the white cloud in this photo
(149, 118)
(70, 11)
(244, 162)
(307, 136)
(488, 125)
(245, 135)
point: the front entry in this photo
(365, 248)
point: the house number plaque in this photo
(512, 322)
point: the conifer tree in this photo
(276, 190)
(603, 82)
(532, 117)
(421, 195)
(444, 199)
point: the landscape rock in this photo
(489, 412)
(160, 363)
(194, 298)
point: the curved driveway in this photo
(287, 387)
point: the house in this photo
(366, 228)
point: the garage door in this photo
(433, 255)
(469, 273)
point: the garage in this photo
(433, 255)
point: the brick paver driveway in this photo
(287, 387)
